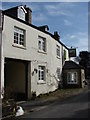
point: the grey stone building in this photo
(73, 75)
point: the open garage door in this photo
(16, 79)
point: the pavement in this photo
(39, 103)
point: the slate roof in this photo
(71, 65)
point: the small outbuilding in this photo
(73, 75)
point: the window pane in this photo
(41, 73)
(58, 73)
(18, 36)
(58, 50)
(21, 39)
(21, 14)
(41, 44)
(72, 77)
(15, 37)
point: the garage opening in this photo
(16, 79)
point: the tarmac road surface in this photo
(77, 106)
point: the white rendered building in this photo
(32, 58)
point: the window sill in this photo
(41, 82)
(18, 46)
(58, 57)
(42, 52)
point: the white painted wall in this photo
(0, 63)
(31, 53)
(1, 53)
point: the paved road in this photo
(73, 107)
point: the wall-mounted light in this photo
(32, 73)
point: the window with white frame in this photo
(42, 44)
(19, 36)
(21, 14)
(41, 73)
(58, 73)
(72, 77)
(58, 50)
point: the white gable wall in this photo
(30, 53)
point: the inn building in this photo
(31, 57)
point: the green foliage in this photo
(64, 54)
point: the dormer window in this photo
(21, 12)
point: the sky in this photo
(45, 0)
(69, 19)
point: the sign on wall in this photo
(72, 52)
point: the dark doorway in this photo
(16, 79)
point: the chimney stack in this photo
(56, 36)
(28, 15)
(44, 28)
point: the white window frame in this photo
(19, 36)
(21, 13)
(58, 50)
(41, 44)
(58, 73)
(41, 74)
(71, 78)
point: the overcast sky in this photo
(70, 19)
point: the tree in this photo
(85, 62)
